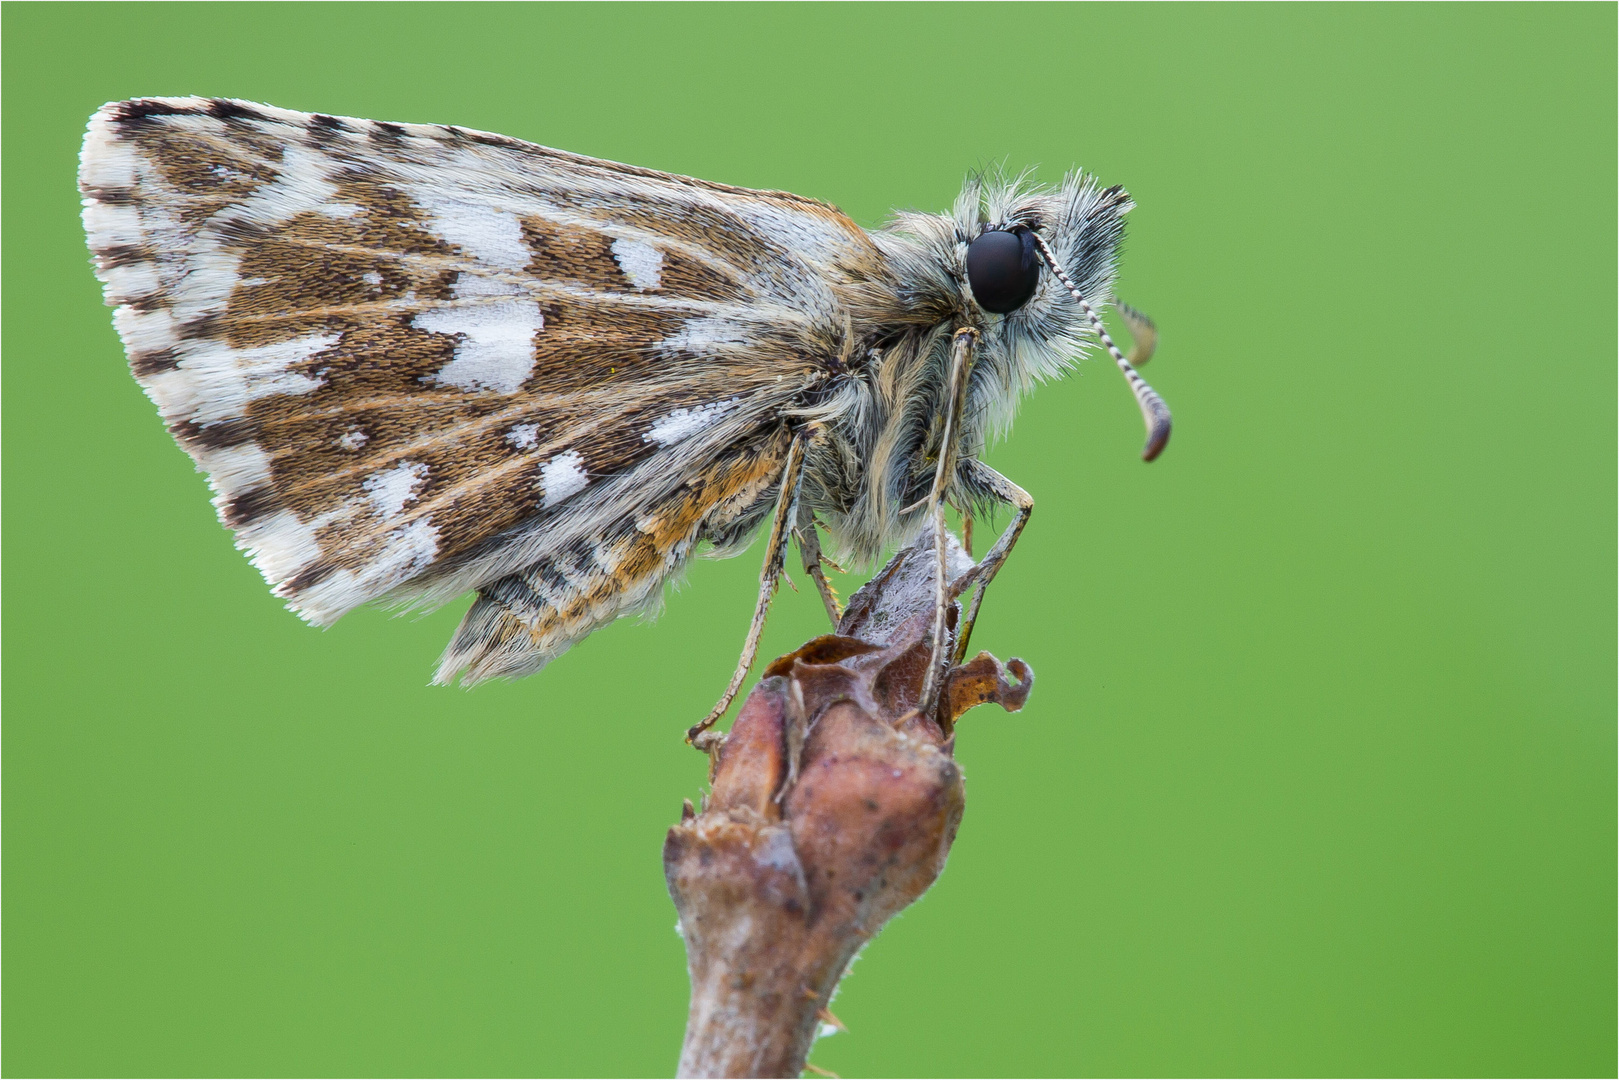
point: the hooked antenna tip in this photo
(1157, 439)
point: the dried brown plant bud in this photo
(834, 804)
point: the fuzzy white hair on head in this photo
(884, 420)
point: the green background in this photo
(1319, 774)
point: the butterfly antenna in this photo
(1154, 413)
(1143, 333)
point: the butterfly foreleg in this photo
(961, 362)
(998, 487)
(769, 576)
(809, 546)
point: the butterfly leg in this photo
(961, 362)
(986, 479)
(809, 546)
(769, 576)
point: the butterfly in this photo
(416, 361)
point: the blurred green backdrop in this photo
(1319, 776)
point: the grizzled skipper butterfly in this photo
(416, 361)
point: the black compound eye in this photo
(1003, 269)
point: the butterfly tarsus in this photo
(769, 576)
(710, 743)
(984, 572)
(809, 547)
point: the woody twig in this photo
(833, 807)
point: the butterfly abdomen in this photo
(521, 622)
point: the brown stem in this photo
(834, 804)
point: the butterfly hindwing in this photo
(523, 620)
(416, 360)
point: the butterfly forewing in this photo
(415, 360)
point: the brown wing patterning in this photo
(521, 622)
(416, 360)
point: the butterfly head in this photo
(1016, 242)
(1029, 268)
(1026, 266)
